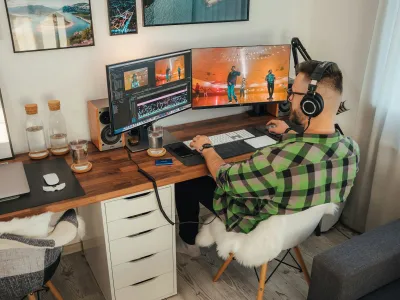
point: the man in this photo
(270, 79)
(168, 74)
(135, 82)
(179, 72)
(303, 170)
(197, 90)
(242, 87)
(233, 74)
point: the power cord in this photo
(153, 181)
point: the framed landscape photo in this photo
(122, 17)
(175, 12)
(49, 24)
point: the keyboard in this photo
(226, 138)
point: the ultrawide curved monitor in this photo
(234, 76)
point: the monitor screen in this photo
(146, 90)
(239, 75)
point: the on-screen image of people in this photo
(233, 74)
(206, 92)
(179, 72)
(197, 90)
(135, 81)
(168, 74)
(270, 79)
(242, 87)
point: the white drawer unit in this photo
(151, 289)
(142, 269)
(136, 224)
(130, 247)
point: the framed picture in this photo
(6, 150)
(175, 12)
(122, 17)
(49, 24)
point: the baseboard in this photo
(72, 248)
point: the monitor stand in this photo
(137, 139)
(258, 110)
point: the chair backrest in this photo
(28, 263)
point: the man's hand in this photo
(280, 128)
(199, 141)
(229, 83)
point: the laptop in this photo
(13, 182)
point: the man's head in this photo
(330, 87)
(233, 68)
(269, 71)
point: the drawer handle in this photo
(141, 233)
(144, 257)
(138, 196)
(141, 215)
(144, 281)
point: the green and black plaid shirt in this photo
(301, 171)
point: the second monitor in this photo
(234, 76)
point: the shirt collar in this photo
(312, 138)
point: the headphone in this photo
(312, 103)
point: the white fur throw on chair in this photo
(267, 240)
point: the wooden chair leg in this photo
(54, 291)
(302, 265)
(31, 297)
(261, 283)
(223, 267)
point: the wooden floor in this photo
(76, 282)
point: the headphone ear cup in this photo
(312, 105)
(319, 101)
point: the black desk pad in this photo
(37, 197)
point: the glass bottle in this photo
(35, 133)
(57, 129)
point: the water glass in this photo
(79, 150)
(155, 134)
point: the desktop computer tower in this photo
(101, 133)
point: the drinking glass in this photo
(79, 150)
(155, 134)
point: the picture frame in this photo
(183, 12)
(37, 26)
(6, 149)
(125, 22)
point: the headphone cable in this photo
(308, 125)
(153, 181)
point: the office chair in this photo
(265, 242)
(28, 264)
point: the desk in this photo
(129, 245)
(114, 175)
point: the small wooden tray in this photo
(75, 170)
(39, 157)
(157, 154)
(58, 153)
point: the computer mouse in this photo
(268, 127)
(51, 179)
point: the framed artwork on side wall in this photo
(6, 150)
(49, 24)
(122, 17)
(175, 12)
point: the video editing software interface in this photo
(239, 75)
(146, 90)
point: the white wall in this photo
(77, 75)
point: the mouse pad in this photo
(37, 197)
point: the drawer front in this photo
(131, 248)
(134, 225)
(136, 205)
(143, 269)
(155, 288)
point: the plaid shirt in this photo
(301, 171)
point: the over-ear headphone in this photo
(312, 103)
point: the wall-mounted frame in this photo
(6, 150)
(37, 25)
(122, 17)
(179, 12)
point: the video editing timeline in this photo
(146, 90)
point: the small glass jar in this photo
(57, 129)
(35, 133)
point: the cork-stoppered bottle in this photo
(35, 133)
(57, 129)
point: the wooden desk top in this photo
(114, 175)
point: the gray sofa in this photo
(367, 267)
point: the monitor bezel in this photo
(246, 104)
(161, 56)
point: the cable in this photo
(308, 125)
(153, 181)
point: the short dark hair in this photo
(333, 75)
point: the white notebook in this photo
(261, 142)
